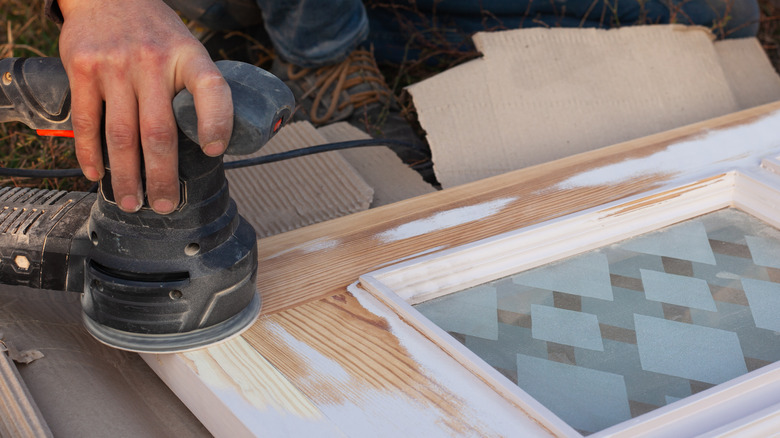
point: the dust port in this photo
(22, 262)
(175, 294)
(192, 249)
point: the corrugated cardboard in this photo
(748, 71)
(83, 388)
(380, 167)
(541, 94)
(286, 195)
(19, 414)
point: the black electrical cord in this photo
(69, 173)
(327, 147)
(40, 173)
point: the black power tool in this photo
(149, 282)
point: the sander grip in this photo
(43, 238)
(36, 92)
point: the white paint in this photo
(320, 245)
(445, 219)
(724, 148)
(311, 246)
(487, 412)
(237, 394)
(755, 192)
(358, 408)
(450, 270)
(317, 361)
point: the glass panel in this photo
(616, 332)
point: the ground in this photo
(28, 33)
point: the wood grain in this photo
(234, 391)
(329, 359)
(320, 260)
(353, 363)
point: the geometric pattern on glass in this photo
(619, 331)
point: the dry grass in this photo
(26, 32)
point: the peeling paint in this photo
(732, 146)
(477, 402)
(445, 219)
(315, 245)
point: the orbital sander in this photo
(149, 282)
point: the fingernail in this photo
(91, 173)
(163, 206)
(130, 203)
(214, 148)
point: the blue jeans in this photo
(394, 29)
(311, 33)
(308, 33)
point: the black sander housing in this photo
(149, 282)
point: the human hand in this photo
(136, 55)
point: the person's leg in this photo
(311, 33)
(219, 14)
(395, 29)
(320, 57)
(734, 18)
(308, 33)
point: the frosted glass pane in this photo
(617, 332)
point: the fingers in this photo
(87, 111)
(159, 142)
(125, 114)
(89, 89)
(213, 103)
(122, 143)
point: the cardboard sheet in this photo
(380, 167)
(83, 388)
(750, 74)
(290, 194)
(19, 414)
(541, 94)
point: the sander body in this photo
(149, 282)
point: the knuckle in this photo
(88, 153)
(83, 63)
(120, 136)
(151, 54)
(163, 187)
(124, 182)
(211, 81)
(84, 122)
(159, 139)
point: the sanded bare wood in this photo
(19, 415)
(321, 260)
(236, 392)
(359, 367)
(336, 367)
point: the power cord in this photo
(423, 165)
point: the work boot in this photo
(354, 91)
